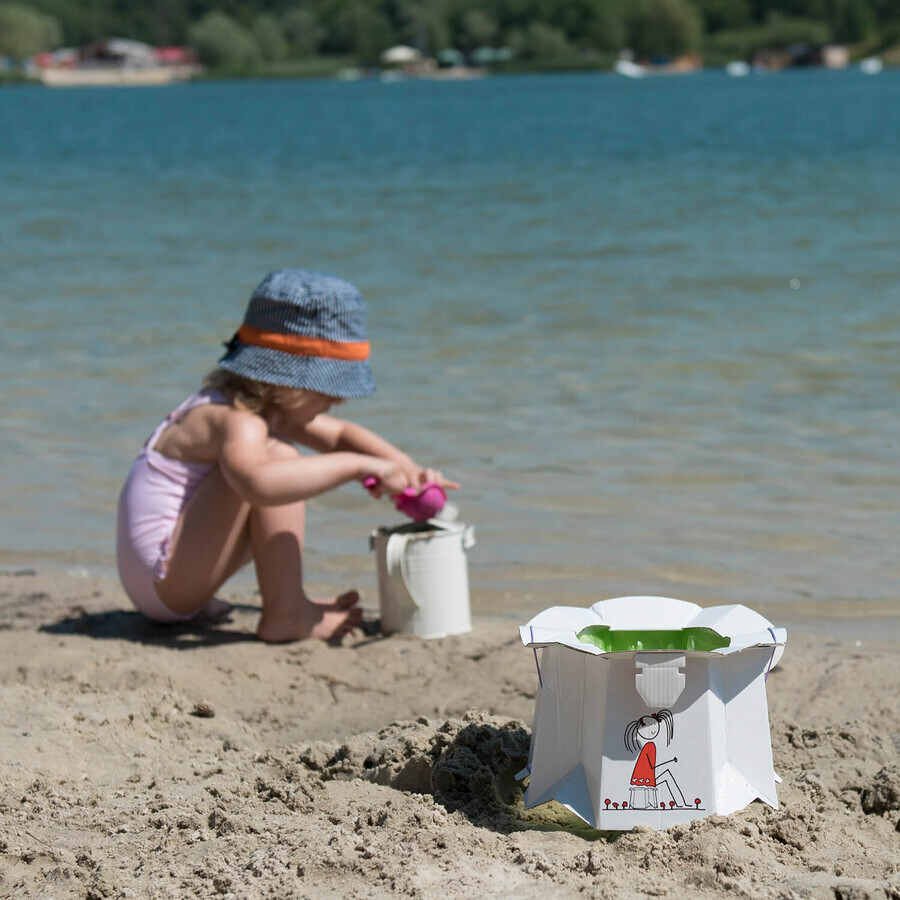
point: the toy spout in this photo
(420, 504)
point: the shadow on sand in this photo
(120, 624)
(128, 625)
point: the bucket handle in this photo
(395, 557)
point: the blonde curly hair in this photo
(246, 393)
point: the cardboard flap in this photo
(626, 613)
(739, 626)
(571, 791)
(555, 625)
(732, 620)
(741, 790)
(563, 618)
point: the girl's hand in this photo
(390, 477)
(410, 475)
(425, 475)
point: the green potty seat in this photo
(623, 641)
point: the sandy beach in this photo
(144, 761)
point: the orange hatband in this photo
(351, 351)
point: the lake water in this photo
(652, 326)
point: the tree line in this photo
(249, 34)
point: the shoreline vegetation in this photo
(64, 42)
(344, 69)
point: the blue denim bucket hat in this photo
(304, 330)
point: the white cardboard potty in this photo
(651, 711)
(423, 578)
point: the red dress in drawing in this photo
(640, 737)
(644, 774)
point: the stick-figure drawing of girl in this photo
(640, 736)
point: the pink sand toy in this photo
(420, 504)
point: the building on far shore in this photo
(114, 61)
(828, 56)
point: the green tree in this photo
(170, 21)
(424, 24)
(778, 33)
(269, 37)
(594, 24)
(302, 30)
(220, 41)
(477, 29)
(24, 31)
(721, 15)
(359, 29)
(782, 31)
(539, 41)
(663, 28)
(607, 31)
(853, 21)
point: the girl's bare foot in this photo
(344, 601)
(327, 620)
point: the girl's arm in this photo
(329, 434)
(257, 477)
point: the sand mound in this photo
(418, 807)
(466, 764)
(142, 762)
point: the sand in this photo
(144, 761)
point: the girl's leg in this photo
(218, 533)
(276, 538)
(210, 543)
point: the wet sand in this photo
(144, 761)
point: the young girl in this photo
(220, 481)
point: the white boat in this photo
(116, 76)
(116, 61)
(871, 66)
(630, 69)
(738, 69)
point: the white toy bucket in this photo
(423, 580)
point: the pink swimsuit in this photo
(155, 492)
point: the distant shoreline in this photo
(177, 74)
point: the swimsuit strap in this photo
(201, 398)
